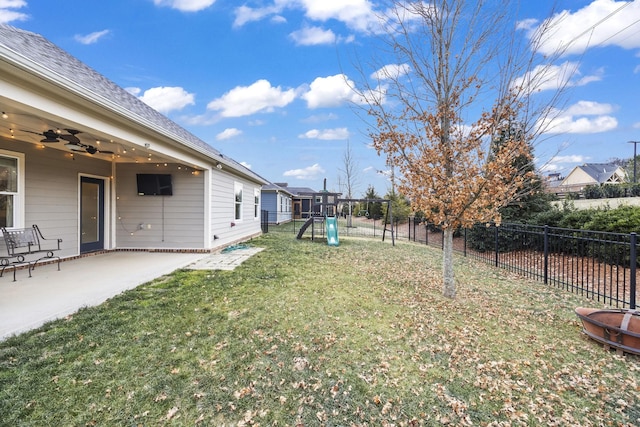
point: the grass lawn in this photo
(303, 334)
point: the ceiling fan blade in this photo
(49, 135)
(70, 137)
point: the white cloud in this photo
(309, 173)
(278, 19)
(597, 24)
(331, 91)
(228, 134)
(358, 15)
(590, 108)
(246, 14)
(8, 15)
(319, 118)
(574, 158)
(311, 36)
(636, 125)
(246, 100)
(91, 38)
(527, 24)
(576, 119)
(135, 91)
(562, 163)
(555, 77)
(166, 99)
(391, 72)
(246, 165)
(185, 5)
(326, 134)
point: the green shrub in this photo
(593, 192)
(624, 219)
(551, 217)
(577, 219)
(613, 190)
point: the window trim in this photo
(19, 195)
(256, 203)
(238, 206)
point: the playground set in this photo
(324, 216)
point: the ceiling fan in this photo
(55, 136)
(79, 146)
(73, 142)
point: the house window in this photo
(256, 203)
(238, 200)
(11, 184)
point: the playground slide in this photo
(304, 227)
(332, 231)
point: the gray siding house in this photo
(90, 163)
(276, 200)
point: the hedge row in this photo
(623, 219)
(611, 191)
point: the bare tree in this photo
(463, 78)
(348, 180)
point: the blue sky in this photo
(263, 81)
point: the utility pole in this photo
(635, 143)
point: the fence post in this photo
(465, 242)
(632, 263)
(265, 221)
(496, 245)
(426, 233)
(546, 254)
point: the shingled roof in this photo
(55, 64)
(601, 172)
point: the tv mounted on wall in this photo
(154, 184)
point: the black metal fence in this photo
(599, 265)
(356, 226)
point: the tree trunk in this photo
(449, 284)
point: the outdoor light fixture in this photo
(219, 165)
(5, 115)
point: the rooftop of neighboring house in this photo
(601, 172)
(296, 191)
(271, 187)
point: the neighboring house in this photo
(277, 201)
(82, 158)
(301, 200)
(591, 174)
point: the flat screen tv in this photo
(154, 184)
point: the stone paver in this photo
(225, 260)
